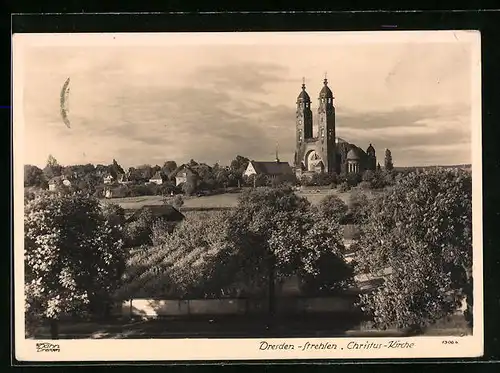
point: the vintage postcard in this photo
(247, 196)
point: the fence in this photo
(199, 307)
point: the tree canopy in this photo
(421, 230)
(73, 257)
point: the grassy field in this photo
(219, 200)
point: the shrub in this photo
(178, 201)
(365, 185)
(343, 187)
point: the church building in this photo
(319, 149)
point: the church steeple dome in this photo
(326, 92)
(303, 96)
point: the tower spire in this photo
(326, 80)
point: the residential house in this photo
(157, 178)
(182, 173)
(58, 181)
(108, 179)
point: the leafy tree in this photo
(73, 257)
(378, 181)
(276, 234)
(33, 176)
(169, 167)
(422, 230)
(238, 167)
(206, 176)
(368, 176)
(332, 208)
(138, 231)
(257, 180)
(101, 169)
(143, 172)
(191, 184)
(353, 179)
(52, 169)
(114, 215)
(206, 267)
(322, 179)
(240, 163)
(389, 166)
(115, 169)
(358, 206)
(221, 177)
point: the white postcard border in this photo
(243, 349)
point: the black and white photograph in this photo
(247, 196)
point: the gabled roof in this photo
(157, 176)
(167, 212)
(181, 168)
(272, 168)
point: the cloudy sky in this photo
(213, 98)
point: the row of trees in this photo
(421, 229)
(89, 178)
(369, 179)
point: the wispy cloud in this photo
(151, 105)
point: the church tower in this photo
(326, 129)
(304, 124)
(304, 116)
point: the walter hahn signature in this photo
(47, 347)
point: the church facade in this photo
(318, 149)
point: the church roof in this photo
(303, 96)
(325, 92)
(370, 149)
(353, 154)
(272, 168)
